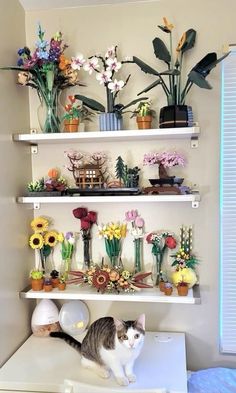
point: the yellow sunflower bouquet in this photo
(113, 233)
(42, 239)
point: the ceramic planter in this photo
(71, 125)
(182, 290)
(110, 122)
(173, 116)
(144, 122)
(168, 291)
(37, 285)
(61, 286)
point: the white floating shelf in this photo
(84, 292)
(108, 136)
(192, 198)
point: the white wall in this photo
(15, 172)
(132, 27)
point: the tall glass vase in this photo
(157, 268)
(137, 255)
(86, 241)
(48, 112)
(116, 262)
(66, 267)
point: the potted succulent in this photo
(182, 288)
(54, 278)
(162, 282)
(62, 283)
(47, 285)
(106, 68)
(168, 289)
(36, 280)
(176, 113)
(144, 115)
(75, 113)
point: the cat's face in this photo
(131, 333)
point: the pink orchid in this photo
(131, 215)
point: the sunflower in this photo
(36, 241)
(50, 238)
(39, 224)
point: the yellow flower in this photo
(39, 224)
(50, 238)
(126, 274)
(36, 241)
(181, 42)
(167, 25)
(123, 230)
(60, 237)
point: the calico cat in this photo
(110, 344)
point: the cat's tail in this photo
(68, 339)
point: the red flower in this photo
(85, 223)
(100, 279)
(92, 217)
(80, 212)
(149, 238)
(170, 242)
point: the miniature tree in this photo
(120, 169)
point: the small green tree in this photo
(120, 169)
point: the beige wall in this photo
(15, 171)
(132, 27)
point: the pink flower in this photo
(139, 222)
(92, 217)
(80, 212)
(170, 242)
(131, 215)
(149, 238)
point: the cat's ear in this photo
(140, 321)
(119, 324)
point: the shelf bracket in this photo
(194, 142)
(34, 149)
(195, 204)
(36, 206)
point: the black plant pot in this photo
(173, 116)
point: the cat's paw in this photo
(103, 373)
(131, 377)
(123, 381)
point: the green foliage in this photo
(120, 169)
(36, 274)
(144, 109)
(37, 185)
(173, 86)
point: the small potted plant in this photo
(144, 115)
(168, 289)
(163, 281)
(182, 288)
(36, 280)
(75, 113)
(54, 278)
(62, 283)
(47, 285)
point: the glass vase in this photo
(157, 269)
(137, 255)
(66, 267)
(116, 262)
(48, 113)
(86, 241)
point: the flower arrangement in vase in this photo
(75, 112)
(177, 114)
(48, 71)
(160, 242)
(184, 261)
(135, 224)
(113, 233)
(106, 68)
(87, 219)
(144, 115)
(43, 240)
(67, 248)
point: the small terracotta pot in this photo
(162, 286)
(71, 125)
(168, 291)
(55, 282)
(61, 286)
(144, 122)
(37, 285)
(47, 288)
(182, 290)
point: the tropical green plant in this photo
(36, 274)
(174, 87)
(76, 110)
(144, 109)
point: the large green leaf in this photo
(199, 80)
(154, 84)
(189, 40)
(161, 50)
(173, 71)
(145, 67)
(91, 104)
(214, 63)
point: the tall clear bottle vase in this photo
(137, 255)
(86, 240)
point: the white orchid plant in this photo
(106, 69)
